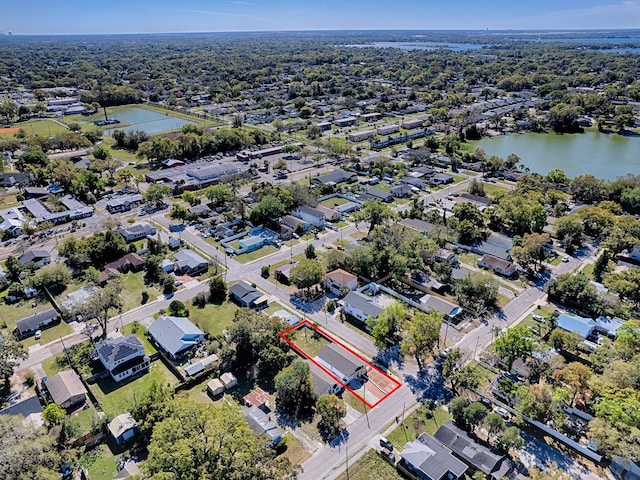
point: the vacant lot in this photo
(42, 127)
(213, 319)
(417, 423)
(117, 398)
(333, 202)
(371, 466)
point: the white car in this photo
(502, 412)
(38, 335)
(565, 259)
(538, 318)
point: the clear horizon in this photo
(202, 16)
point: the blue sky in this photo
(148, 16)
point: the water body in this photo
(408, 46)
(604, 155)
(147, 120)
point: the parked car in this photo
(538, 318)
(38, 335)
(385, 443)
(387, 455)
(502, 412)
(565, 259)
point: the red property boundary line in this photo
(307, 323)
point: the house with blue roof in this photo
(574, 324)
(175, 335)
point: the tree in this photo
(11, 353)
(374, 212)
(569, 229)
(494, 424)
(53, 414)
(469, 223)
(422, 335)
(31, 160)
(589, 189)
(191, 198)
(13, 268)
(550, 472)
(474, 414)
(460, 376)
(532, 250)
(178, 309)
(52, 276)
(101, 303)
(331, 410)
(208, 442)
(456, 408)
(217, 290)
(388, 324)
(101, 152)
(603, 265)
(294, 392)
(511, 439)
(156, 193)
(513, 343)
(576, 377)
(26, 452)
(8, 111)
(281, 165)
(219, 194)
(310, 251)
(307, 273)
(626, 284)
(476, 291)
(268, 208)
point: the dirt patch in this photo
(7, 131)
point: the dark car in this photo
(385, 443)
(387, 455)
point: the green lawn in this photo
(415, 424)
(256, 254)
(141, 334)
(309, 341)
(99, 462)
(492, 189)
(587, 270)
(469, 258)
(132, 288)
(118, 397)
(49, 334)
(42, 126)
(333, 202)
(213, 319)
(85, 419)
(371, 466)
(51, 365)
(8, 200)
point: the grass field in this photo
(417, 423)
(42, 126)
(118, 397)
(141, 334)
(469, 258)
(371, 466)
(491, 189)
(132, 288)
(333, 202)
(256, 254)
(99, 462)
(213, 319)
(309, 341)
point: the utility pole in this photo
(66, 353)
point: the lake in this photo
(603, 155)
(147, 120)
(409, 46)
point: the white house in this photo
(310, 215)
(342, 364)
(498, 265)
(361, 306)
(123, 357)
(338, 279)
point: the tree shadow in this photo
(428, 384)
(389, 357)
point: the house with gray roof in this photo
(123, 357)
(342, 364)
(478, 456)
(378, 194)
(124, 204)
(188, 261)
(497, 245)
(247, 296)
(175, 335)
(66, 389)
(448, 309)
(123, 428)
(28, 325)
(310, 215)
(417, 225)
(498, 265)
(427, 459)
(361, 306)
(261, 423)
(138, 231)
(39, 258)
(335, 178)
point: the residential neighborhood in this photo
(323, 268)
